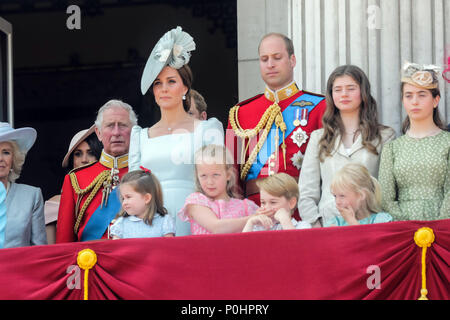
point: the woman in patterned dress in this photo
(415, 168)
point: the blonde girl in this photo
(358, 197)
(215, 207)
(143, 214)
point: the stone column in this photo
(376, 35)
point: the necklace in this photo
(351, 132)
(421, 136)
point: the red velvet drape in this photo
(326, 263)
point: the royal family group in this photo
(288, 159)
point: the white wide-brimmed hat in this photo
(173, 49)
(78, 138)
(24, 137)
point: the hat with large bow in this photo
(173, 49)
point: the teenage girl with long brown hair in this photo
(351, 133)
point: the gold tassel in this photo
(424, 237)
(86, 260)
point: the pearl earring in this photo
(184, 97)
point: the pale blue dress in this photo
(171, 160)
(380, 217)
(134, 227)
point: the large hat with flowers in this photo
(173, 49)
(24, 137)
(423, 76)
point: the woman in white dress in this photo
(167, 148)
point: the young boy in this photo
(279, 195)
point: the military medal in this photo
(297, 160)
(299, 137)
(296, 122)
(304, 118)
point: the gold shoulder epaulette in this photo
(242, 103)
(83, 166)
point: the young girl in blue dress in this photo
(358, 197)
(143, 214)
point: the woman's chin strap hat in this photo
(173, 49)
(24, 137)
(423, 76)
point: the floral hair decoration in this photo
(423, 76)
(145, 170)
(173, 49)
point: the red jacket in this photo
(250, 113)
(66, 214)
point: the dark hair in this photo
(368, 115)
(436, 117)
(287, 42)
(95, 145)
(145, 182)
(185, 73)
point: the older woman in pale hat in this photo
(23, 222)
(84, 148)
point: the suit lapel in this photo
(357, 145)
(10, 195)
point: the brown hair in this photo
(145, 182)
(436, 117)
(279, 185)
(287, 42)
(186, 75)
(368, 116)
(200, 103)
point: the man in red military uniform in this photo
(269, 132)
(89, 199)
